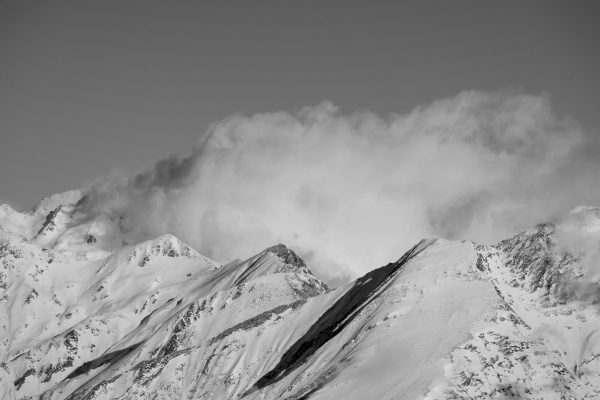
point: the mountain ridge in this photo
(93, 317)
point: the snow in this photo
(90, 313)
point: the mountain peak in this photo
(273, 260)
(286, 255)
(166, 245)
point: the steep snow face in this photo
(40, 218)
(62, 311)
(90, 315)
(385, 334)
(60, 222)
(544, 342)
(70, 315)
(551, 285)
(50, 203)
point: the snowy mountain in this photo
(89, 313)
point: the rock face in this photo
(87, 316)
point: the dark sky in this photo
(91, 86)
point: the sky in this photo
(91, 86)
(348, 130)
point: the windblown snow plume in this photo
(477, 166)
(578, 235)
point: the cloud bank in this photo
(578, 234)
(351, 192)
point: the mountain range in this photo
(89, 312)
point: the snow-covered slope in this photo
(90, 314)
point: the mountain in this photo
(90, 313)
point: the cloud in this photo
(578, 234)
(354, 191)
